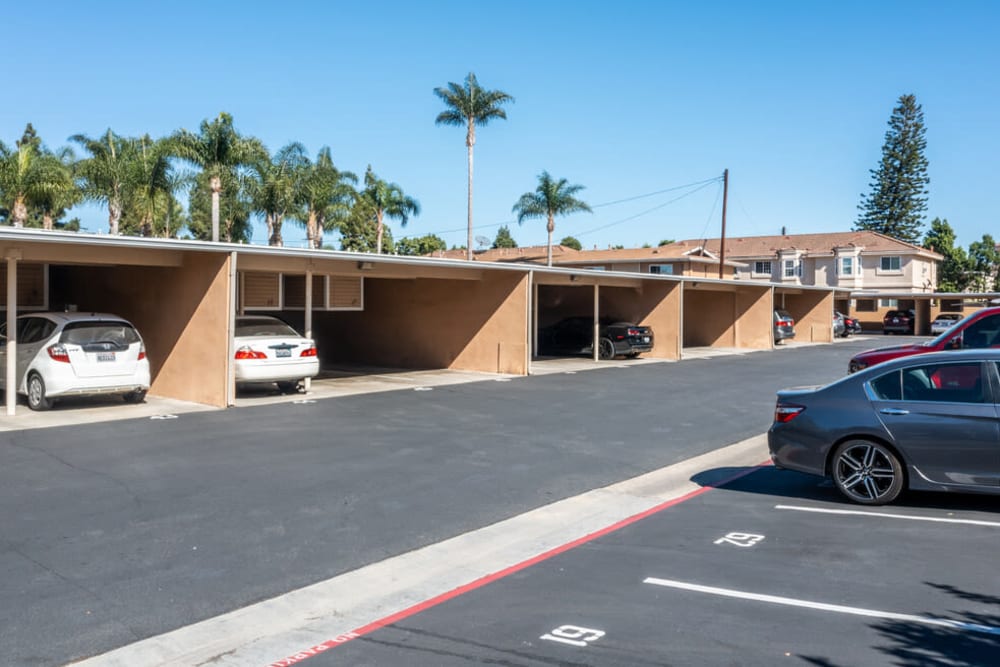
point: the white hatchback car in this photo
(268, 350)
(66, 354)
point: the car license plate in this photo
(282, 353)
(105, 356)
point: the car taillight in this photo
(633, 332)
(142, 351)
(309, 352)
(58, 353)
(786, 323)
(246, 352)
(786, 412)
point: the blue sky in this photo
(624, 98)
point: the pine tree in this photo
(895, 207)
(504, 239)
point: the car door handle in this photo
(894, 411)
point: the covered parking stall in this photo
(812, 310)
(727, 313)
(175, 293)
(652, 301)
(392, 312)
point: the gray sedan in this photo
(928, 422)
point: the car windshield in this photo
(86, 334)
(263, 326)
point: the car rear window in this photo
(264, 327)
(100, 335)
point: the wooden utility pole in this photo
(722, 244)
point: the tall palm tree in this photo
(386, 199)
(151, 183)
(470, 105)
(550, 198)
(274, 188)
(63, 193)
(28, 175)
(325, 194)
(219, 151)
(104, 176)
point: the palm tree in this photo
(104, 176)
(325, 194)
(470, 105)
(273, 187)
(29, 176)
(219, 151)
(151, 183)
(386, 199)
(550, 198)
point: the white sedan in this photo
(66, 354)
(944, 322)
(268, 350)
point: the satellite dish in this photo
(483, 241)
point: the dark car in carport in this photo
(575, 335)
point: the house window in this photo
(888, 303)
(790, 268)
(665, 269)
(762, 267)
(846, 266)
(890, 263)
(866, 306)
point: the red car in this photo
(979, 330)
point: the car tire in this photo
(288, 387)
(867, 472)
(36, 393)
(135, 396)
(606, 349)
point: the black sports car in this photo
(575, 335)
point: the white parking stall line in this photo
(887, 515)
(823, 606)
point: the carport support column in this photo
(10, 396)
(307, 383)
(597, 318)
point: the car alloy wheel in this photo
(606, 349)
(867, 472)
(36, 393)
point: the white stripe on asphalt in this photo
(886, 515)
(822, 606)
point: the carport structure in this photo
(362, 309)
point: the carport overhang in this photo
(811, 308)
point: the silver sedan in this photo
(928, 422)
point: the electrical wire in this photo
(649, 210)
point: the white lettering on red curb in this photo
(310, 652)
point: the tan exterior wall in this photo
(813, 315)
(708, 318)
(478, 325)
(181, 313)
(754, 318)
(656, 305)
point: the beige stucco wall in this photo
(656, 305)
(181, 313)
(476, 325)
(708, 318)
(754, 318)
(813, 315)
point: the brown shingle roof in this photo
(815, 244)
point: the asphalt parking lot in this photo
(169, 536)
(772, 568)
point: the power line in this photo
(703, 184)
(650, 210)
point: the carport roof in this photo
(11, 238)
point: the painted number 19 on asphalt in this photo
(573, 635)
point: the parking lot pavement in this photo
(771, 568)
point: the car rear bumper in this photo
(76, 386)
(285, 371)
